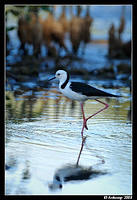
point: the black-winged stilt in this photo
(80, 92)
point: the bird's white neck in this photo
(64, 81)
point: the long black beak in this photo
(51, 78)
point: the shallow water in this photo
(44, 134)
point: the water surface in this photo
(44, 134)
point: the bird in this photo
(80, 92)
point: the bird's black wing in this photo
(88, 90)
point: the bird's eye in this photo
(58, 74)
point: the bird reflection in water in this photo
(74, 173)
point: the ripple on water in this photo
(53, 139)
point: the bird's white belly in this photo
(73, 95)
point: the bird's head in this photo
(61, 75)
(57, 183)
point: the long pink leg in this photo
(85, 125)
(86, 119)
(106, 106)
(83, 138)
